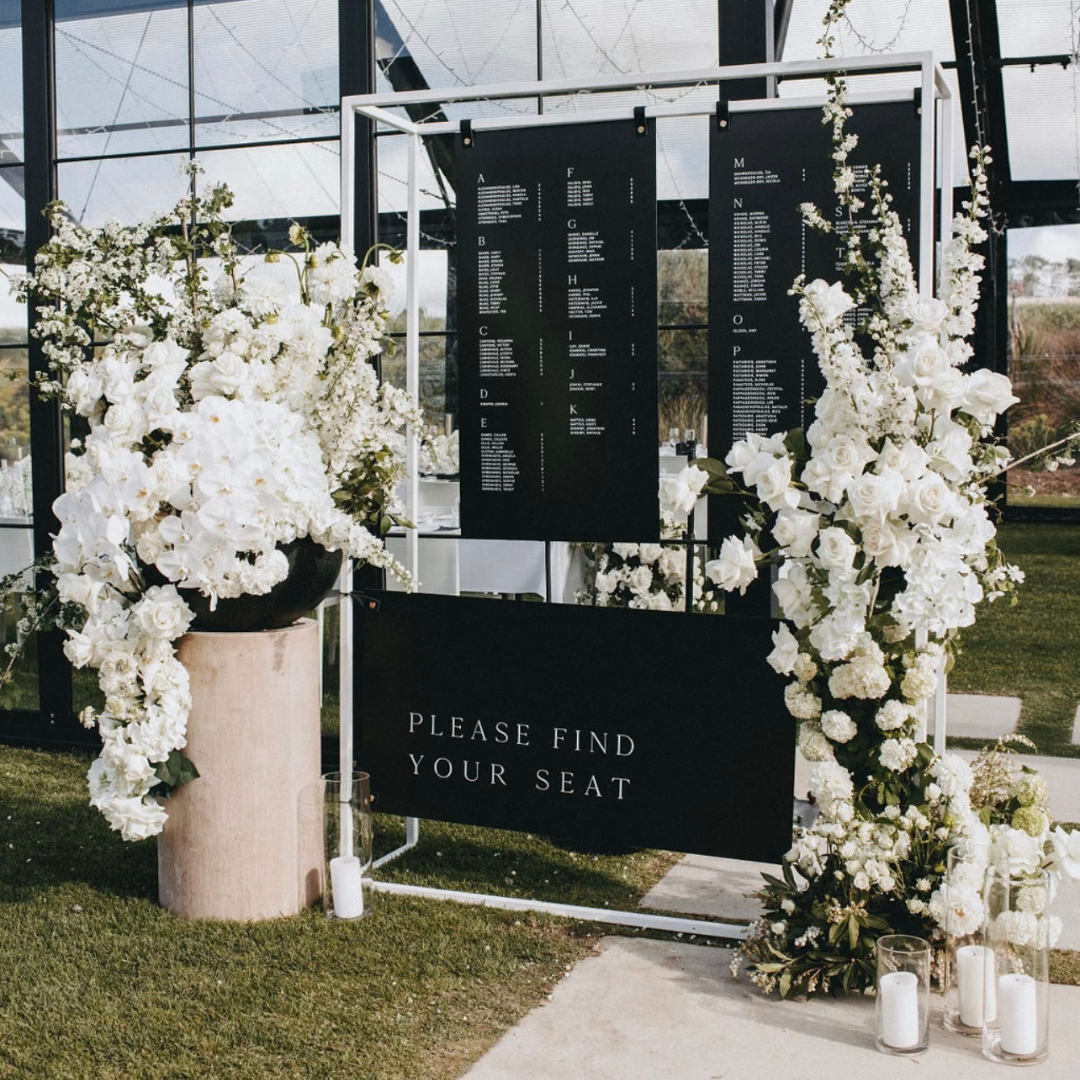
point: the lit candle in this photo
(1018, 1014)
(899, 992)
(975, 982)
(346, 887)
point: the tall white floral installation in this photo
(880, 523)
(228, 416)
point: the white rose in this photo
(165, 352)
(641, 579)
(162, 614)
(650, 553)
(873, 497)
(774, 484)
(908, 459)
(735, 568)
(786, 652)
(927, 314)
(944, 392)
(949, 452)
(679, 494)
(79, 649)
(1066, 858)
(795, 530)
(84, 390)
(125, 423)
(1022, 850)
(836, 550)
(224, 375)
(922, 362)
(930, 499)
(740, 456)
(986, 395)
(829, 301)
(888, 544)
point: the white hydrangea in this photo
(898, 754)
(838, 726)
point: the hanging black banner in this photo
(557, 332)
(762, 166)
(602, 726)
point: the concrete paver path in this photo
(658, 1010)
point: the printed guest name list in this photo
(763, 376)
(556, 293)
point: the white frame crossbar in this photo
(933, 87)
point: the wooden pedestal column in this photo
(244, 840)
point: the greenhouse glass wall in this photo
(103, 101)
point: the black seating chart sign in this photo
(542, 718)
(557, 332)
(762, 368)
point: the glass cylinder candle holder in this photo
(903, 994)
(1018, 936)
(347, 819)
(968, 976)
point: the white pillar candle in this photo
(346, 887)
(976, 985)
(1018, 1014)
(899, 993)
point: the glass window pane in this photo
(456, 42)
(266, 69)
(124, 189)
(296, 181)
(1036, 27)
(1044, 358)
(15, 500)
(16, 546)
(601, 37)
(16, 512)
(683, 382)
(11, 105)
(12, 255)
(432, 286)
(432, 375)
(682, 287)
(874, 26)
(393, 178)
(121, 80)
(1040, 108)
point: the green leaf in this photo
(776, 883)
(853, 932)
(795, 441)
(785, 984)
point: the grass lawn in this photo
(99, 983)
(1032, 650)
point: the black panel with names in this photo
(763, 373)
(557, 332)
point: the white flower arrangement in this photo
(440, 455)
(16, 490)
(879, 521)
(226, 418)
(652, 577)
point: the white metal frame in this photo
(934, 87)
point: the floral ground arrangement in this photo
(231, 412)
